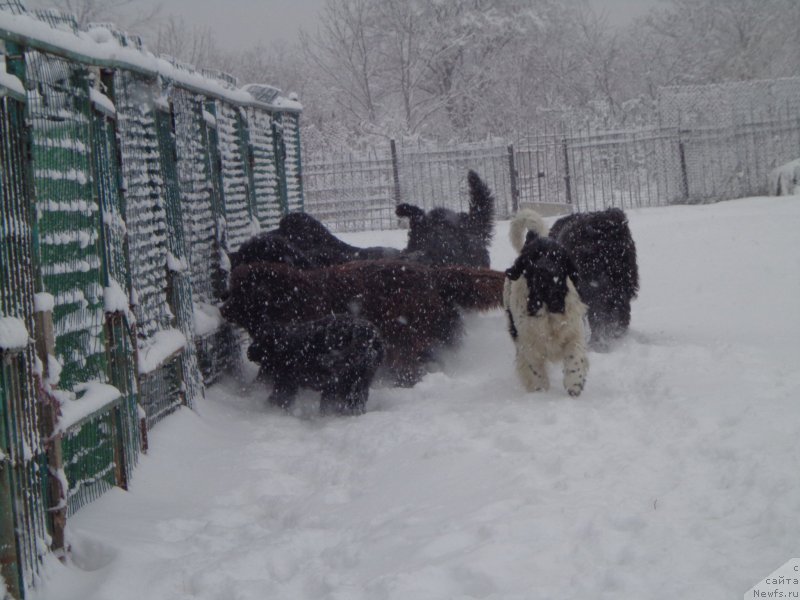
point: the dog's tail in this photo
(524, 221)
(481, 207)
(470, 287)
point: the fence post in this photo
(9, 558)
(512, 170)
(567, 182)
(395, 171)
(45, 347)
(684, 173)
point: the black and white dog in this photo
(602, 248)
(444, 237)
(545, 313)
(337, 355)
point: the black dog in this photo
(601, 245)
(440, 237)
(270, 246)
(416, 307)
(336, 355)
(302, 241)
(444, 237)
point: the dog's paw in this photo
(575, 390)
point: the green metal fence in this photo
(23, 497)
(126, 181)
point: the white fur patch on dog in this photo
(547, 337)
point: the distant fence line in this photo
(580, 168)
(125, 181)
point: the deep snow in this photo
(674, 475)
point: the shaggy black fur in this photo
(414, 306)
(445, 237)
(336, 355)
(440, 237)
(302, 241)
(270, 246)
(602, 248)
(546, 265)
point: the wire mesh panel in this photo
(199, 183)
(732, 134)
(438, 177)
(178, 272)
(23, 501)
(266, 187)
(120, 337)
(540, 167)
(76, 264)
(144, 201)
(292, 161)
(22, 462)
(13, 6)
(69, 223)
(351, 192)
(148, 237)
(69, 215)
(91, 461)
(626, 169)
(765, 142)
(160, 391)
(197, 191)
(240, 220)
(735, 161)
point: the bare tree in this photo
(193, 44)
(280, 64)
(707, 41)
(343, 52)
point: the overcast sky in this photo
(240, 24)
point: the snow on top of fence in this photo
(102, 102)
(207, 318)
(13, 334)
(101, 47)
(43, 302)
(96, 396)
(159, 348)
(11, 83)
(115, 299)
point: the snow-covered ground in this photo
(675, 475)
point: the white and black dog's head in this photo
(546, 266)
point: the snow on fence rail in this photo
(579, 169)
(126, 179)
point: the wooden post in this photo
(10, 568)
(684, 173)
(512, 170)
(115, 422)
(45, 348)
(395, 171)
(567, 181)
